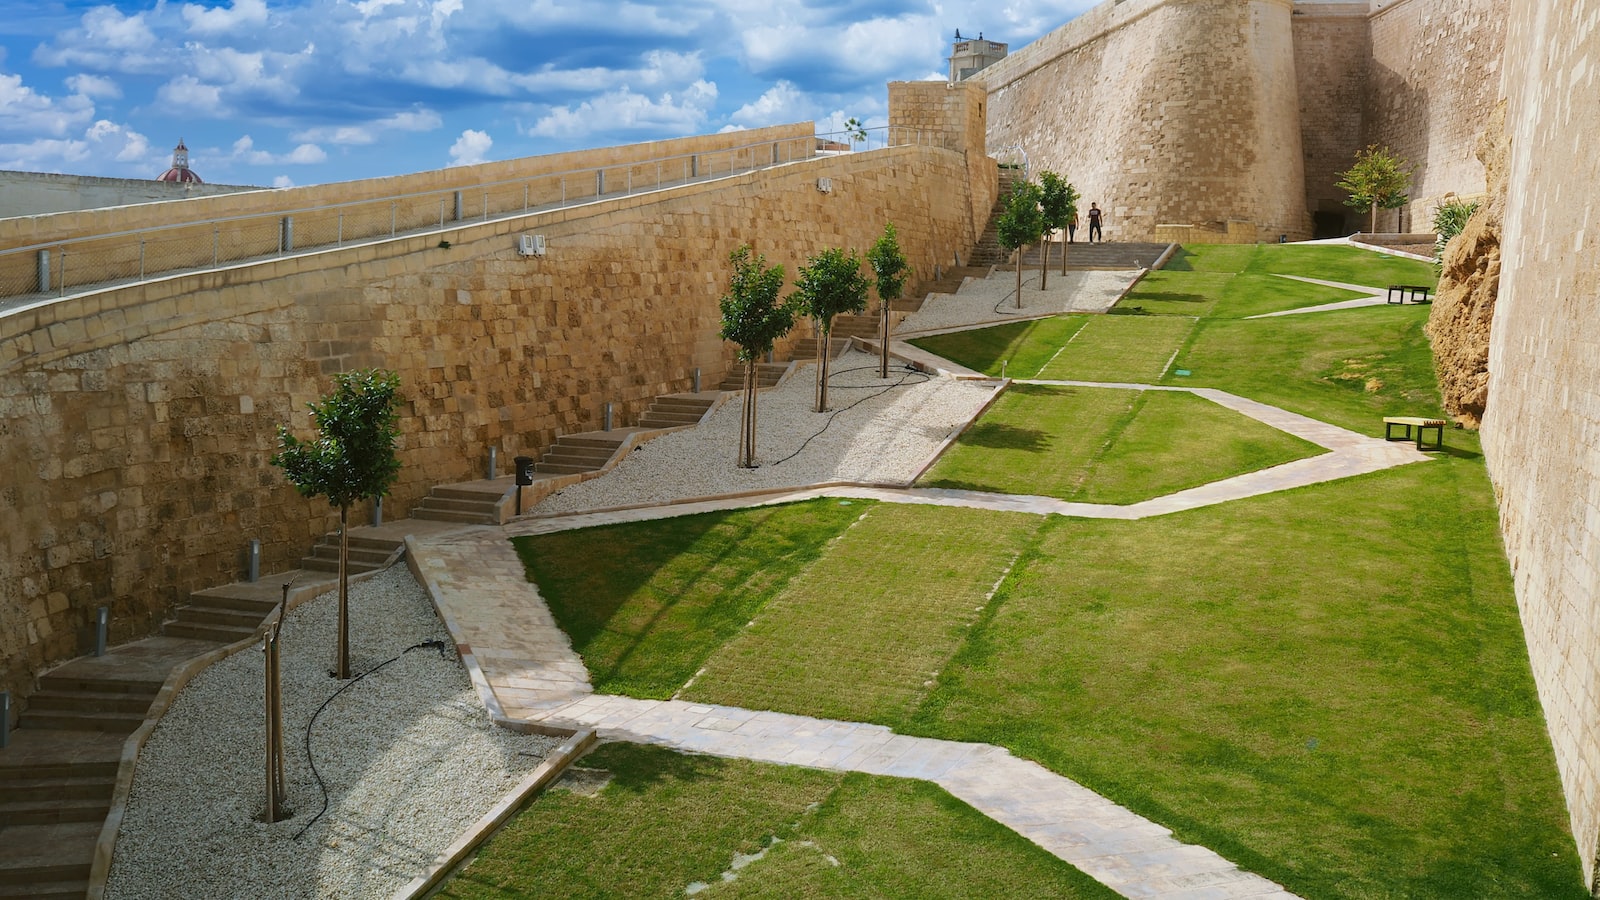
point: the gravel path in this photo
(408, 753)
(978, 299)
(877, 431)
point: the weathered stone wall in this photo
(41, 193)
(955, 117)
(1164, 112)
(138, 422)
(1541, 428)
(1434, 77)
(1332, 54)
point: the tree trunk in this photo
(1374, 219)
(342, 658)
(883, 352)
(1044, 260)
(824, 353)
(1064, 257)
(1019, 276)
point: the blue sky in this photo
(312, 91)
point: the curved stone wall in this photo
(1164, 112)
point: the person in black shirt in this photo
(1094, 224)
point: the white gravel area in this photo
(876, 431)
(992, 299)
(408, 753)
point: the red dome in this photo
(180, 173)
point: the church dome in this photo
(180, 173)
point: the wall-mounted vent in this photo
(531, 245)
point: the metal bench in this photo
(1408, 293)
(1421, 424)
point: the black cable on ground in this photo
(439, 645)
(909, 371)
(1008, 296)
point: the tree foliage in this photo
(753, 317)
(829, 284)
(1058, 203)
(1378, 180)
(890, 271)
(352, 458)
(1020, 224)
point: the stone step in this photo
(680, 404)
(490, 495)
(23, 790)
(362, 556)
(52, 890)
(444, 515)
(31, 771)
(663, 420)
(238, 604)
(197, 631)
(568, 453)
(561, 469)
(114, 723)
(52, 812)
(103, 684)
(206, 614)
(598, 443)
(89, 701)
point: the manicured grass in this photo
(1017, 349)
(646, 603)
(1335, 262)
(1327, 686)
(667, 821)
(1165, 293)
(1348, 367)
(860, 635)
(1129, 349)
(1101, 445)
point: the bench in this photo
(1412, 293)
(1421, 424)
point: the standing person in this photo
(1072, 228)
(1094, 223)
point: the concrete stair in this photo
(805, 350)
(366, 554)
(575, 453)
(676, 410)
(78, 702)
(987, 251)
(767, 375)
(866, 325)
(1102, 256)
(473, 503)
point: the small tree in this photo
(1058, 202)
(753, 318)
(856, 130)
(831, 283)
(1379, 179)
(352, 459)
(890, 271)
(1020, 224)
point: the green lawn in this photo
(667, 821)
(1128, 349)
(1102, 445)
(1016, 349)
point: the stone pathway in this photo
(526, 670)
(1373, 297)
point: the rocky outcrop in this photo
(1463, 309)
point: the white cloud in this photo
(94, 87)
(626, 110)
(107, 40)
(103, 142)
(470, 149)
(783, 102)
(25, 112)
(244, 151)
(369, 132)
(219, 20)
(189, 94)
(306, 155)
(282, 181)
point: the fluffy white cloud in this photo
(369, 132)
(195, 98)
(783, 102)
(624, 110)
(244, 151)
(94, 87)
(470, 149)
(107, 40)
(103, 141)
(219, 20)
(24, 111)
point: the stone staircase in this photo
(469, 503)
(677, 410)
(987, 251)
(805, 350)
(575, 453)
(1102, 255)
(767, 375)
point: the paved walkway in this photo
(526, 671)
(1372, 297)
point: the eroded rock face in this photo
(1463, 308)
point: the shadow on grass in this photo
(1006, 437)
(1179, 261)
(1174, 297)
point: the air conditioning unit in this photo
(825, 185)
(531, 245)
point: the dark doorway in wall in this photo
(1327, 225)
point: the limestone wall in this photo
(138, 422)
(1541, 428)
(1434, 78)
(1333, 54)
(1164, 112)
(40, 193)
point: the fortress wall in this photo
(1165, 112)
(1332, 52)
(795, 141)
(1434, 78)
(138, 423)
(1541, 429)
(41, 193)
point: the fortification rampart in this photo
(41, 193)
(1164, 112)
(139, 421)
(1541, 428)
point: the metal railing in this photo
(56, 269)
